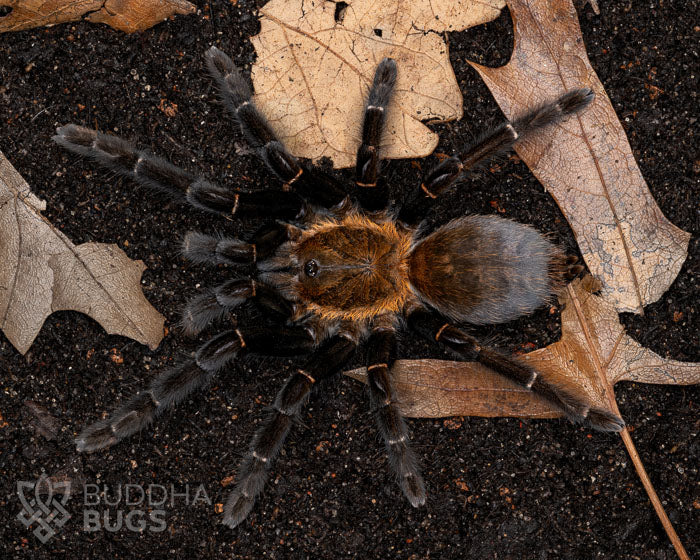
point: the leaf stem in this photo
(627, 438)
(646, 482)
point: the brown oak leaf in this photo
(125, 15)
(42, 271)
(316, 62)
(586, 162)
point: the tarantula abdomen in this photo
(486, 270)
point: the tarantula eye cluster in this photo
(379, 275)
(311, 268)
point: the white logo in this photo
(43, 509)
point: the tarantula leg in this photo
(575, 407)
(207, 249)
(201, 248)
(493, 143)
(175, 384)
(201, 311)
(309, 182)
(371, 195)
(221, 200)
(215, 304)
(268, 440)
(119, 155)
(381, 349)
(237, 97)
(138, 412)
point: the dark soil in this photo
(498, 488)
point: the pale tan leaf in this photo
(592, 339)
(313, 72)
(42, 271)
(586, 163)
(125, 15)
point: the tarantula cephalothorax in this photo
(339, 270)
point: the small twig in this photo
(45, 109)
(627, 439)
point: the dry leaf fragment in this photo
(592, 337)
(125, 15)
(316, 62)
(42, 271)
(586, 163)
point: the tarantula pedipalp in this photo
(340, 268)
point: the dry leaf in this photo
(586, 163)
(41, 271)
(592, 337)
(316, 62)
(125, 15)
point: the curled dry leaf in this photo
(593, 341)
(42, 271)
(586, 163)
(125, 15)
(316, 61)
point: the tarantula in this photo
(340, 268)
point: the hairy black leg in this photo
(309, 182)
(381, 353)
(214, 305)
(175, 384)
(208, 249)
(371, 194)
(201, 248)
(575, 407)
(120, 156)
(221, 200)
(268, 440)
(491, 144)
(236, 94)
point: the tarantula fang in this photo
(338, 267)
